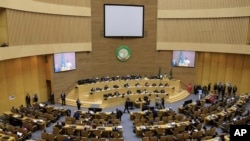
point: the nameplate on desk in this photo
(101, 128)
(73, 126)
(5, 137)
(142, 127)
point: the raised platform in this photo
(172, 92)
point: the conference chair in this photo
(147, 134)
(179, 137)
(44, 135)
(115, 134)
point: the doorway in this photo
(49, 89)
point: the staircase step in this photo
(178, 96)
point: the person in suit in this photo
(229, 89)
(215, 87)
(163, 102)
(209, 87)
(126, 105)
(63, 97)
(234, 89)
(158, 102)
(27, 100)
(35, 98)
(119, 114)
(195, 89)
(78, 103)
(219, 88)
(52, 98)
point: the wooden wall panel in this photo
(229, 68)
(245, 75)
(201, 4)
(3, 26)
(145, 60)
(199, 66)
(21, 76)
(224, 68)
(206, 68)
(238, 68)
(41, 78)
(248, 34)
(83, 3)
(214, 30)
(27, 28)
(4, 91)
(214, 67)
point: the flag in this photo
(181, 61)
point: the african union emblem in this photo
(123, 53)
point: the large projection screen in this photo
(123, 20)
(64, 61)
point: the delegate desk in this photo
(208, 119)
(99, 95)
(117, 100)
(79, 128)
(41, 123)
(139, 103)
(140, 129)
(5, 137)
(49, 108)
(133, 114)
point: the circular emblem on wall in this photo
(123, 53)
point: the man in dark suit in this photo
(209, 87)
(127, 102)
(35, 98)
(27, 100)
(63, 97)
(229, 89)
(78, 103)
(215, 87)
(52, 98)
(119, 114)
(234, 89)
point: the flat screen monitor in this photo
(64, 61)
(123, 20)
(183, 58)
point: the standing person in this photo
(126, 105)
(63, 97)
(195, 89)
(158, 102)
(163, 102)
(215, 88)
(78, 103)
(209, 87)
(35, 98)
(27, 100)
(229, 89)
(52, 98)
(234, 90)
(119, 114)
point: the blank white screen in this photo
(123, 20)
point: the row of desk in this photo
(242, 100)
(6, 137)
(41, 123)
(140, 129)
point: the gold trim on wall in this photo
(33, 50)
(201, 4)
(46, 8)
(205, 13)
(205, 47)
